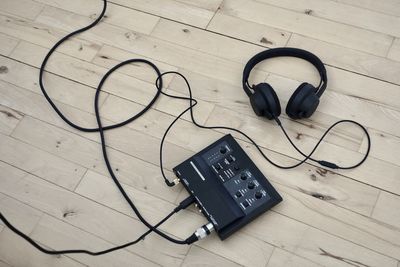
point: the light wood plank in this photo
(126, 140)
(327, 218)
(269, 235)
(339, 80)
(394, 52)
(345, 107)
(339, 222)
(385, 146)
(366, 174)
(391, 7)
(164, 104)
(138, 173)
(211, 5)
(204, 41)
(38, 162)
(109, 56)
(114, 201)
(233, 98)
(323, 215)
(342, 13)
(87, 215)
(176, 10)
(347, 199)
(335, 55)
(125, 86)
(366, 88)
(60, 235)
(309, 180)
(9, 119)
(110, 194)
(283, 258)
(58, 88)
(150, 47)
(387, 209)
(20, 215)
(28, 9)
(248, 31)
(43, 109)
(36, 105)
(8, 43)
(116, 15)
(110, 199)
(342, 256)
(3, 264)
(306, 241)
(349, 59)
(25, 219)
(201, 257)
(17, 252)
(46, 36)
(337, 33)
(123, 107)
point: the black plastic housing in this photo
(228, 187)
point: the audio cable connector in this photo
(200, 233)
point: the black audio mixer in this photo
(228, 187)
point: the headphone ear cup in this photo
(303, 102)
(258, 103)
(265, 102)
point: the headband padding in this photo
(285, 52)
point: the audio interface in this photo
(228, 187)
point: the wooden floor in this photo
(53, 182)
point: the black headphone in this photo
(305, 99)
(302, 104)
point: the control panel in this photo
(228, 187)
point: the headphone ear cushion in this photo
(265, 102)
(258, 103)
(303, 102)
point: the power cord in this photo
(183, 205)
(101, 130)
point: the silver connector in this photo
(176, 181)
(204, 231)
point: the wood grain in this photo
(55, 187)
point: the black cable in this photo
(327, 163)
(193, 103)
(79, 251)
(102, 128)
(59, 113)
(183, 205)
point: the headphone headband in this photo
(286, 52)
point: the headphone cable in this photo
(324, 163)
(193, 102)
